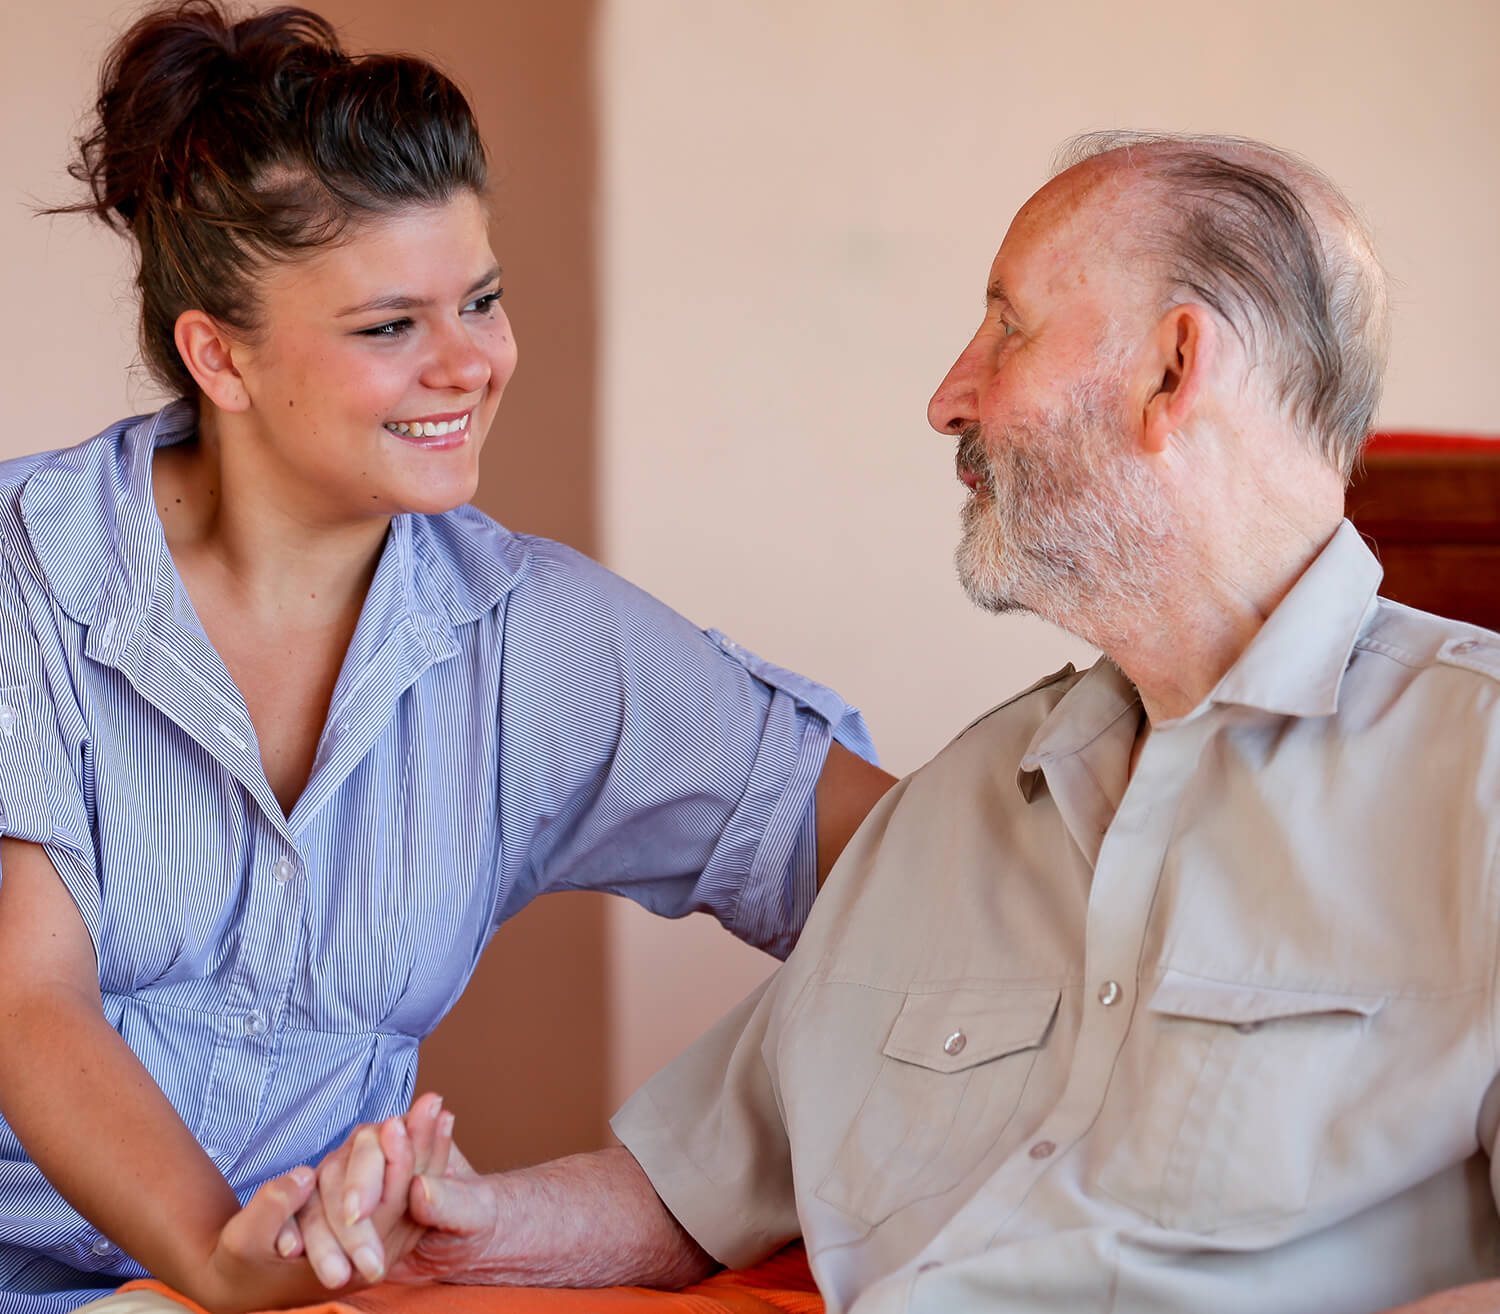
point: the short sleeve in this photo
(645, 757)
(708, 1131)
(41, 791)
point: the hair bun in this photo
(184, 88)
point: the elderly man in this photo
(1167, 986)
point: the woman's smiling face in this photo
(377, 366)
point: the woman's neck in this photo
(231, 523)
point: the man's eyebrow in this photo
(996, 295)
(400, 301)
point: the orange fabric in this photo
(781, 1284)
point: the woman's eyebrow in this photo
(400, 301)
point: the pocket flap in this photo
(951, 1030)
(1180, 995)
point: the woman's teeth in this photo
(427, 429)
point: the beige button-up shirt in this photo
(1222, 1038)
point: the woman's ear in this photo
(1184, 348)
(208, 352)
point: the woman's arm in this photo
(847, 789)
(92, 1119)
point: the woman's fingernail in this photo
(335, 1272)
(437, 1107)
(302, 1175)
(368, 1263)
(285, 1244)
(351, 1208)
(447, 1128)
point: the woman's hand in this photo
(358, 1221)
(247, 1269)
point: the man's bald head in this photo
(1269, 244)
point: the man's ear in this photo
(208, 352)
(1184, 348)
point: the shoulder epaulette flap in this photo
(1067, 670)
(1477, 653)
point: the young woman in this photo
(286, 727)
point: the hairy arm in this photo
(93, 1120)
(847, 789)
(590, 1220)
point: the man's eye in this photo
(1007, 328)
(394, 329)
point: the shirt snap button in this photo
(9, 719)
(1109, 993)
(955, 1043)
(255, 1023)
(283, 871)
(102, 1246)
(1043, 1149)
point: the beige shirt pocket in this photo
(1230, 1088)
(952, 1072)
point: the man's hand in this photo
(460, 1213)
(358, 1220)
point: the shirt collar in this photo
(1295, 663)
(1293, 666)
(98, 538)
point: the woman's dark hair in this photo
(222, 147)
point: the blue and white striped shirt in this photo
(510, 719)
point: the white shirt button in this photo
(102, 1246)
(9, 720)
(1043, 1149)
(255, 1023)
(283, 871)
(1109, 993)
(955, 1043)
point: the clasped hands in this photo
(397, 1201)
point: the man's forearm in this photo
(591, 1220)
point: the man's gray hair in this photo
(1274, 248)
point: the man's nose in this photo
(955, 404)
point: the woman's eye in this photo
(394, 329)
(486, 304)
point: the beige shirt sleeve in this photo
(708, 1131)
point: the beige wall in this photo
(801, 202)
(796, 205)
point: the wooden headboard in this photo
(1432, 504)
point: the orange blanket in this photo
(781, 1284)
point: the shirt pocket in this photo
(1231, 1093)
(950, 1077)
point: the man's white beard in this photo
(1064, 523)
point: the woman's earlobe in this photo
(208, 354)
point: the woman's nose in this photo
(458, 364)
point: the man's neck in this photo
(1217, 597)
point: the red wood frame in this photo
(1431, 503)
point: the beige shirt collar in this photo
(1292, 667)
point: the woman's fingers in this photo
(365, 1174)
(255, 1231)
(323, 1251)
(289, 1240)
